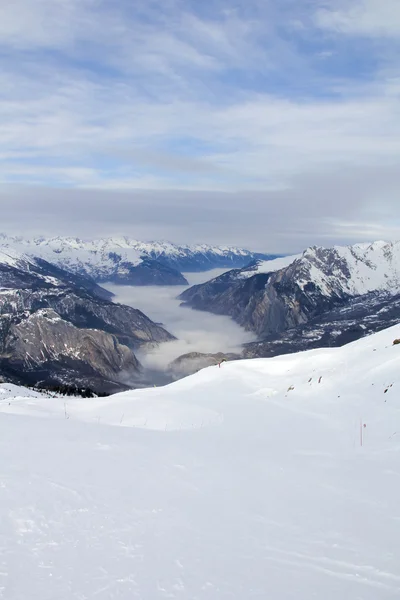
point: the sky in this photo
(269, 124)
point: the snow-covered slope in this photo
(13, 258)
(20, 270)
(10, 392)
(245, 481)
(265, 266)
(352, 270)
(124, 260)
(113, 260)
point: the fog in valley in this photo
(195, 331)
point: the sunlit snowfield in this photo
(196, 331)
(245, 482)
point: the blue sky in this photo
(270, 123)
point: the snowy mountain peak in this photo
(161, 247)
(352, 270)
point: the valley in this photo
(63, 324)
(195, 331)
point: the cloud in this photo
(256, 124)
(257, 142)
(196, 331)
(377, 18)
(352, 204)
(44, 23)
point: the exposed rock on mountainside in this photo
(190, 363)
(59, 327)
(271, 298)
(147, 272)
(127, 261)
(361, 316)
(45, 347)
(20, 271)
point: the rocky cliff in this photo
(190, 363)
(359, 317)
(59, 327)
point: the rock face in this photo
(56, 327)
(51, 351)
(129, 262)
(269, 298)
(190, 363)
(361, 316)
(147, 272)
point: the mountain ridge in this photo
(124, 260)
(282, 297)
(62, 328)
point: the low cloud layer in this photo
(348, 206)
(195, 331)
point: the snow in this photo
(245, 481)
(371, 267)
(9, 391)
(267, 266)
(375, 267)
(93, 256)
(13, 258)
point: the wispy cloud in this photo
(251, 100)
(377, 18)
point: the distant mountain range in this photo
(290, 301)
(130, 262)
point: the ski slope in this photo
(242, 482)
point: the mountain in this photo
(61, 328)
(270, 478)
(126, 261)
(271, 297)
(359, 317)
(200, 257)
(113, 260)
